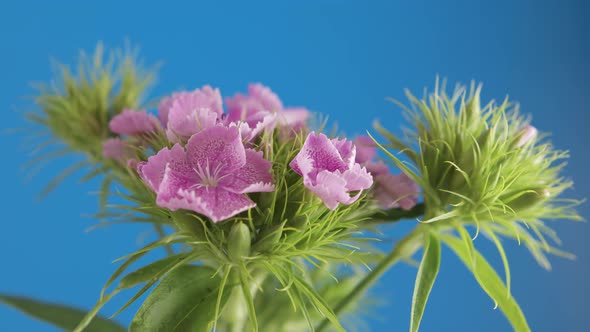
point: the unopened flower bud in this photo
(528, 134)
(238, 242)
(529, 199)
(268, 237)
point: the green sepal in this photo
(238, 242)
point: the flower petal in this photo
(115, 148)
(528, 134)
(245, 109)
(357, 178)
(254, 176)
(366, 150)
(183, 124)
(346, 150)
(186, 113)
(269, 100)
(172, 183)
(293, 117)
(377, 168)
(396, 191)
(331, 189)
(323, 154)
(216, 148)
(250, 130)
(133, 123)
(215, 203)
(164, 108)
(329, 169)
(153, 170)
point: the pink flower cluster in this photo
(212, 166)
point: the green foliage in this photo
(489, 281)
(470, 165)
(61, 316)
(183, 301)
(276, 313)
(476, 169)
(289, 234)
(280, 266)
(150, 271)
(404, 249)
(425, 280)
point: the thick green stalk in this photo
(403, 249)
(236, 309)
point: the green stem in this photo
(236, 308)
(403, 249)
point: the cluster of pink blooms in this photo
(212, 165)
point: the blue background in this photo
(341, 59)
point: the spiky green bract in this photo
(477, 169)
(74, 110)
(279, 243)
(276, 313)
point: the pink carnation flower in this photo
(210, 177)
(262, 109)
(115, 148)
(329, 170)
(187, 113)
(393, 191)
(133, 123)
(366, 150)
(390, 191)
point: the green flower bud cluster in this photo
(479, 163)
(78, 106)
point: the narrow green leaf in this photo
(490, 282)
(104, 298)
(425, 278)
(94, 173)
(183, 301)
(59, 315)
(148, 272)
(155, 279)
(502, 253)
(468, 243)
(104, 191)
(221, 296)
(245, 285)
(89, 317)
(317, 301)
